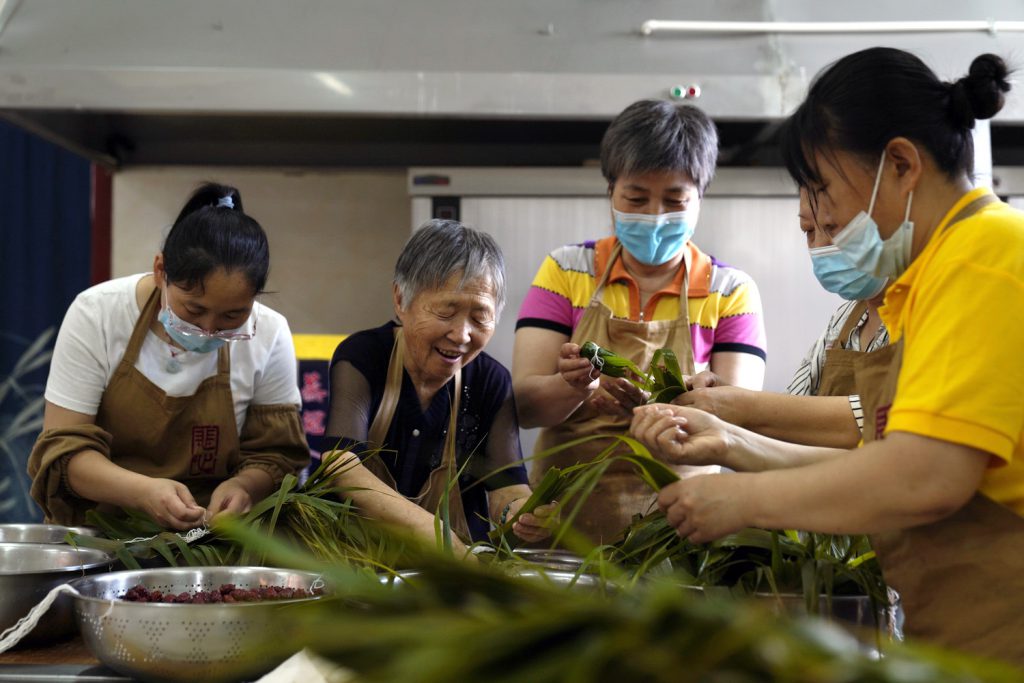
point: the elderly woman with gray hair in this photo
(423, 392)
(644, 287)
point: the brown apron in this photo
(198, 432)
(433, 488)
(620, 494)
(191, 439)
(837, 371)
(960, 579)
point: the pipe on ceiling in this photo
(991, 27)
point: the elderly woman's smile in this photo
(446, 328)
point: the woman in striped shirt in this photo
(820, 402)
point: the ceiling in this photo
(451, 82)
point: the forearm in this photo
(809, 420)
(880, 487)
(94, 477)
(546, 400)
(748, 451)
(379, 501)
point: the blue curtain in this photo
(45, 235)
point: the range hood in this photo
(397, 82)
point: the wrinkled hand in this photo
(725, 402)
(534, 526)
(681, 436)
(230, 496)
(576, 370)
(169, 503)
(621, 397)
(704, 380)
(705, 508)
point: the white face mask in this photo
(862, 244)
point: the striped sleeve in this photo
(858, 411)
(560, 290)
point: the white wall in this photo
(334, 235)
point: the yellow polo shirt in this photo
(960, 309)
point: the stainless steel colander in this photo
(185, 642)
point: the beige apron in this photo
(430, 494)
(620, 494)
(837, 371)
(960, 579)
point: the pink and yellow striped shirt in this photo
(723, 303)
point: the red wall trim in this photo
(101, 207)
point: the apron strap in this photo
(392, 391)
(146, 318)
(851, 323)
(596, 297)
(389, 403)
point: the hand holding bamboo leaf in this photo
(576, 369)
(536, 525)
(662, 382)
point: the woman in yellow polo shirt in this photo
(886, 148)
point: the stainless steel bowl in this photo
(28, 571)
(40, 533)
(557, 577)
(551, 559)
(185, 642)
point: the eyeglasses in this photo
(244, 332)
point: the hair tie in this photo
(227, 201)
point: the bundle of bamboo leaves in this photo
(314, 515)
(465, 622)
(748, 562)
(756, 560)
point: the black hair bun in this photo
(981, 93)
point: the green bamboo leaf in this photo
(127, 559)
(183, 549)
(666, 395)
(673, 372)
(287, 484)
(161, 548)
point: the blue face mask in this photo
(838, 275)
(189, 342)
(861, 243)
(653, 239)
